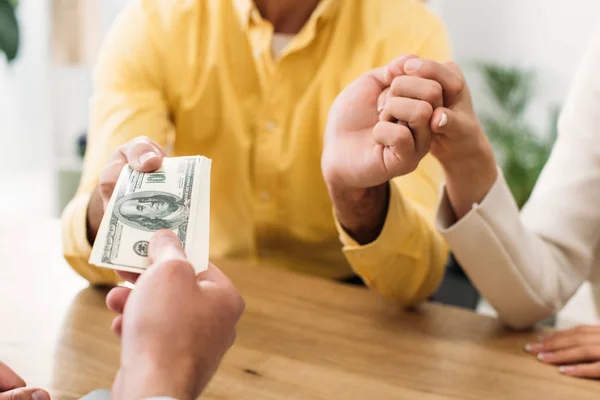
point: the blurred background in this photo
(519, 57)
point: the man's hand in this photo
(458, 140)
(175, 326)
(12, 387)
(368, 142)
(576, 351)
(143, 154)
(367, 145)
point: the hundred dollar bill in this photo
(175, 197)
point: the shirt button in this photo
(270, 126)
(264, 196)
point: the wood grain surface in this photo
(300, 338)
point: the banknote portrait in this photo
(151, 210)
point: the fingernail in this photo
(380, 108)
(163, 233)
(206, 284)
(444, 120)
(39, 395)
(543, 356)
(413, 65)
(534, 348)
(566, 369)
(147, 156)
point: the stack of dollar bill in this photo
(175, 197)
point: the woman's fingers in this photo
(579, 354)
(591, 371)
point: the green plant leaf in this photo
(9, 30)
(511, 88)
(521, 152)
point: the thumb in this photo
(164, 246)
(144, 155)
(25, 394)
(386, 74)
(168, 263)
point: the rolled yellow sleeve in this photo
(406, 262)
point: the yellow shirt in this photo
(199, 77)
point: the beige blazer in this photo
(545, 260)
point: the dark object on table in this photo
(456, 288)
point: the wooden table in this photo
(301, 338)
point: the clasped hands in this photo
(384, 123)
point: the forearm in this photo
(501, 253)
(406, 260)
(501, 257)
(361, 212)
(470, 176)
(498, 267)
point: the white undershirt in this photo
(279, 42)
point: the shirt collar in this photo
(248, 12)
(244, 9)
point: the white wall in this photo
(25, 119)
(73, 86)
(43, 106)
(547, 35)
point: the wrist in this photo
(472, 157)
(470, 177)
(145, 377)
(361, 212)
(95, 212)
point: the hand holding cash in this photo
(174, 197)
(168, 347)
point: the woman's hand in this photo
(576, 351)
(457, 137)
